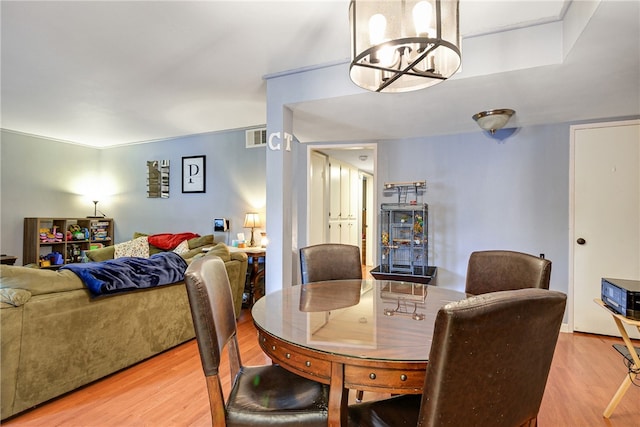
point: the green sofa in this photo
(56, 337)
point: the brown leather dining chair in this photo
(491, 271)
(260, 395)
(488, 365)
(330, 261)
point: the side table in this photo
(634, 369)
(257, 273)
(8, 259)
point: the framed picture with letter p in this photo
(193, 174)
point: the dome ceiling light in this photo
(492, 120)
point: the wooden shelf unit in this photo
(100, 232)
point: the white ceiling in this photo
(104, 73)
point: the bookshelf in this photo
(69, 237)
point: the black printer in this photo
(622, 296)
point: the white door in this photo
(606, 216)
(335, 232)
(368, 230)
(345, 192)
(334, 190)
(355, 194)
(317, 200)
(349, 232)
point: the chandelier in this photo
(403, 45)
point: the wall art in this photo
(193, 174)
(158, 179)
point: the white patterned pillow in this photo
(182, 248)
(138, 247)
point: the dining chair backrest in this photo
(490, 358)
(204, 280)
(211, 303)
(491, 271)
(265, 395)
(330, 261)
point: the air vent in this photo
(256, 137)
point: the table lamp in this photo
(252, 221)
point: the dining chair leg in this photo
(359, 395)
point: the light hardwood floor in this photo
(169, 389)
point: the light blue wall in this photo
(485, 193)
(41, 177)
(234, 185)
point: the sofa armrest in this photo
(239, 256)
(237, 273)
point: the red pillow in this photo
(169, 241)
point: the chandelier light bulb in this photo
(422, 17)
(387, 56)
(377, 29)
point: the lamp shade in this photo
(403, 45)
(252, 220)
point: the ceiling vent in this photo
(256, 137)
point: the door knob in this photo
(581, 241)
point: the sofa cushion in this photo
(15, 297)
(168, 241)
(152, 249)
(198, 242)
(182, 248)
(220, 250)
(38, 281)
(101, 254)
(138, 247)
(195, 245)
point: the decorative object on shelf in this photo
(158, 179)
(493, 120)
(252, 221)
(194, 174)
(406, 45)
(264, 241)
(95, 211)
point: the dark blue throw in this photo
(128, 273)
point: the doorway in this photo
(342, 197)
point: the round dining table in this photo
(369, 335)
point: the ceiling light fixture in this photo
(400, 46)
(492, 120)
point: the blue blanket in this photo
(124, 274)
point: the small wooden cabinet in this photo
(69, 237)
